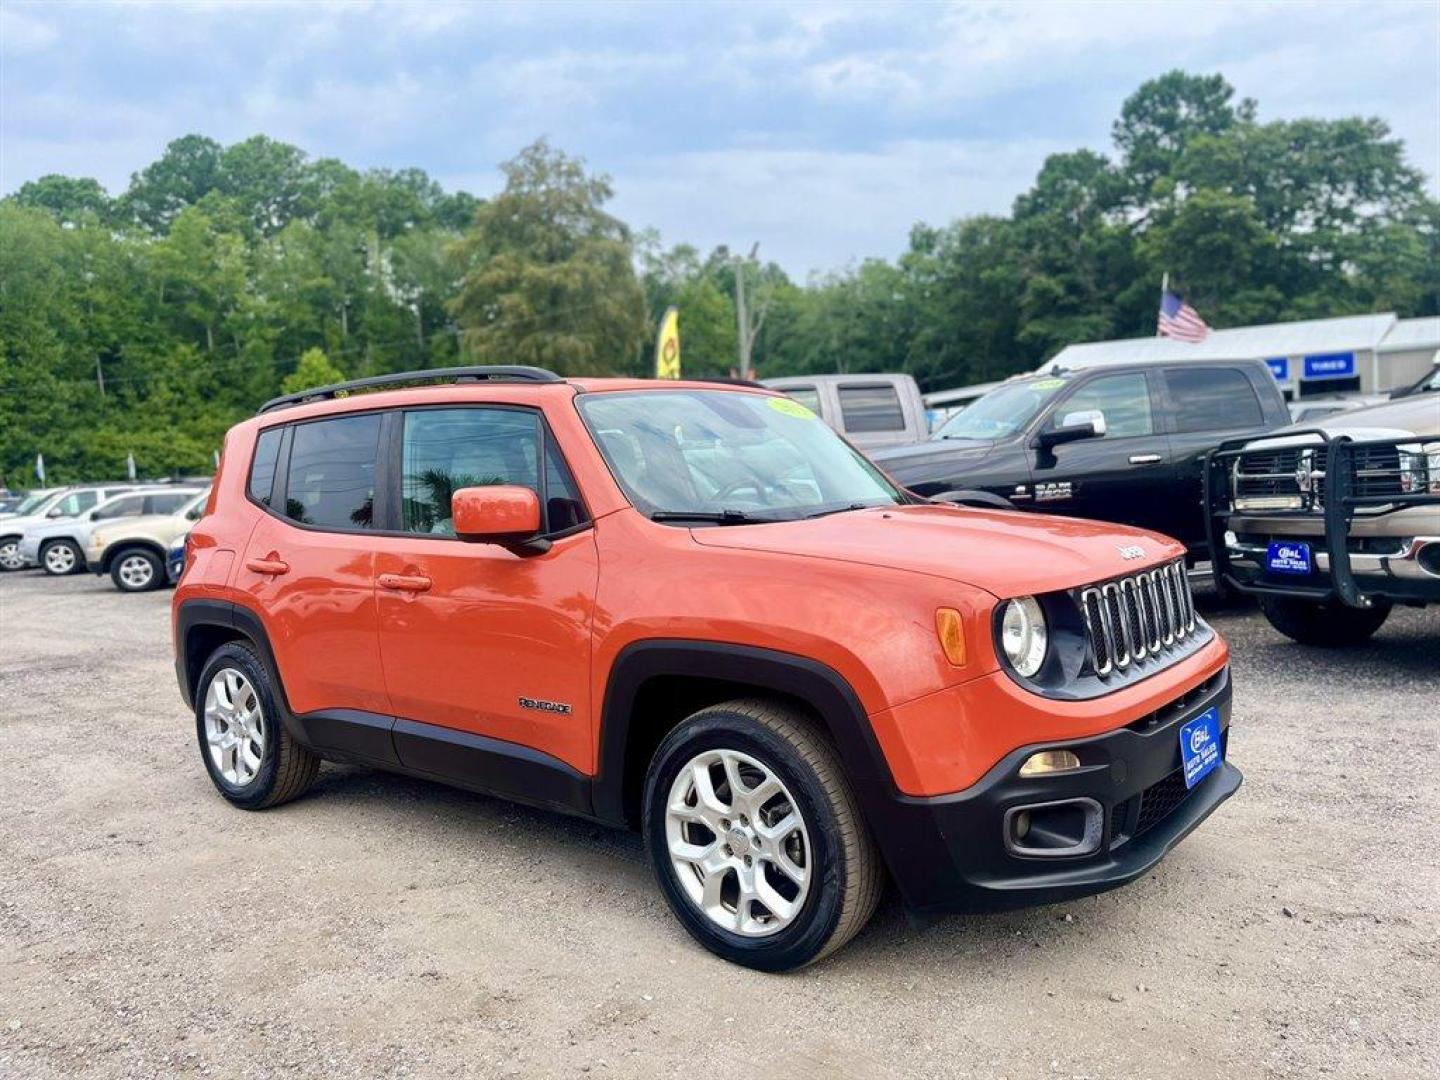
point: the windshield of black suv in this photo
(728, 457)
(1002, 412)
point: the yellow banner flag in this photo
(667, 345)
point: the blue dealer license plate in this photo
(1288, 557)
(1200, 746)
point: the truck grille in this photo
(1293, 478)
(1134, 618)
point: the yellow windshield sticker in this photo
(791, 407)
(1047, 384)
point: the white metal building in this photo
(1366, 353)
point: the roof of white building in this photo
(1307, 338)
(1409, 334)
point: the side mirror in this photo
(504, 514)
(1084, 424)
(55, 513)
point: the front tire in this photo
(1328, 625)
(60, 558)
(137, 570)
(10, 558)
(756, 837)
(252, 759)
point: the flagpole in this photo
(1164, 288)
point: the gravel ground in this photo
(385, 926)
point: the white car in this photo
(58, 503)
(28, 504)
(59, 546)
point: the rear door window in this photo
(167, 502)
(1212, 399)
(865, 408)
(127, 506)
(331, 481)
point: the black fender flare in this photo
(240, 623)
(968, 497)
(820, 687)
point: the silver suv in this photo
(67, 502)
(59, 546)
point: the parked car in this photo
(869, 410)
(1332, 524)
(175, 559)
(27, 503)
(1309, 410)
(1122, 443)
(65, 502)
(696, 611)
(133, 550)
(58, 547)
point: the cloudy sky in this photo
(822, 130)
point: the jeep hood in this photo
(1005, 552)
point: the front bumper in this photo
(951, 853)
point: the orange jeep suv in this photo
(695, 610)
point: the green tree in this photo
(549, 275)
(313, 369)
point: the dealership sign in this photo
(1339, 365)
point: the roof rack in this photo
(492, 373)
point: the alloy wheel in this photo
(738, 843)
(136, 571)
(234, 726)
(60, 559)
(10, 555)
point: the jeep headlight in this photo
(1023, 635)
(1420, 468)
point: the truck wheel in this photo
(250, 756)
(137, 570)
(60, 557)
(756, 836)
(1328, 625)
(10, 553)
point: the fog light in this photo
(1022, 824)
(1049, 761)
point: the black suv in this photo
(1122, 442)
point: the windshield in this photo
(730, 457)
(31, 503)
(1003, 411)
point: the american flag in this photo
(1179, 320)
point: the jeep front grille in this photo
(1134, 618)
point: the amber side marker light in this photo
(951, 630)
(1049, 761)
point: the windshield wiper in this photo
(714, 517)
(837, 510)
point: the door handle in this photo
(404, 582)
(271, 564)
(1144, 459)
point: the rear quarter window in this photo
(262, 465)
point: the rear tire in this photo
(60, 558)
(252, 759)
(137, 570)
(785, 872)
(1328, 625)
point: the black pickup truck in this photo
(1123, 443)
